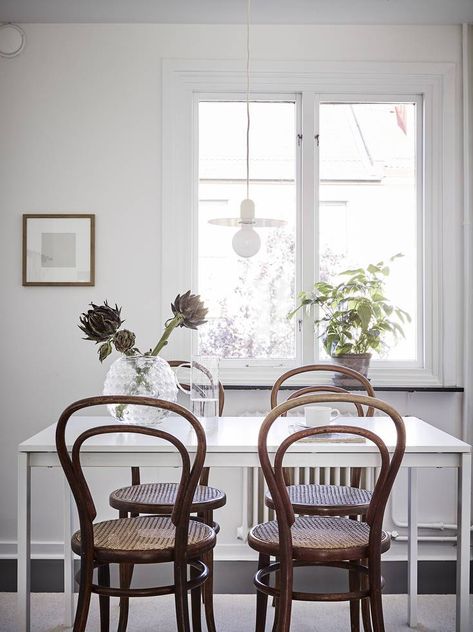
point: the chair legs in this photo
(354, 583)
(284, 604)
(126, 573)
(371, 607)
(366, 616)
(207, 588)
(182, 612)
(104, 601)
(207, 594)
(85, 591)
(261, 598)
(180, 596)
(365, 603)
(195, 601)
(374, 574)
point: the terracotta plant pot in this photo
(357, 361)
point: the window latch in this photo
(316, 138)
(299, 324)
(299, 140)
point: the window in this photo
(368, 211)
(361, 162)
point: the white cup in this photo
(319, 415)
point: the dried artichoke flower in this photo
(124, 340)
(101, 322)
(190, 308)
(189, 311)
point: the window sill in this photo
(378, 389)
(382, 378)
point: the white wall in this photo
(80, 127)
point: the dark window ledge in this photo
(378, 389)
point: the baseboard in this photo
(236, 577)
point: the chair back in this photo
(324, 388)
(186, 364)
(71, 461)
(274, 475)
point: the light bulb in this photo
(246, 242)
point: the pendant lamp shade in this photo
(246, 241)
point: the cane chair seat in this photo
(312, 536)
(161, 497)
(334, 500)
(144, 538)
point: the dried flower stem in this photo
(169, 326)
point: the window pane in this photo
(248, 299)
(368, 200)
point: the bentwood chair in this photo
(160, 498)
(176, 538)
(325, 540)
(316, 499)
(326, 500)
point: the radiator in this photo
(253, 509)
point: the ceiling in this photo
(234, 11)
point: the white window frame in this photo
(441, 252)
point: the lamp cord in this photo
(248, 10)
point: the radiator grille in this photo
(254, 511)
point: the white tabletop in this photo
(240, 434)
(232, 442)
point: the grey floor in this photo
(234, 613)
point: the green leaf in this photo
(377, 296)
(323, 286)
(398, 329)
(405, 314)
(400, 315)
(357, 271)
(347, 348)
(364, 312)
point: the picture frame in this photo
(58, 249)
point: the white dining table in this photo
(232, 442)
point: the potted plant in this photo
(354, 317)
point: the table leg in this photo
(68, 558)
(24, 541)
(243, 530)
(412, 552)
(463, 543)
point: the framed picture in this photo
(59, 249)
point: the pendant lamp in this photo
(246, 241)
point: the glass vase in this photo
(145, 376)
